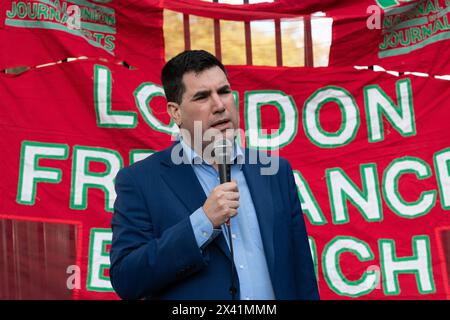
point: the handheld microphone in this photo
(224, 172)
(223, 150)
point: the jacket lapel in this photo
(182, 180)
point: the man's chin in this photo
(230, 134)
(215, 134)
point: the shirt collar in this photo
(193, 158)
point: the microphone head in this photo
(223, 150)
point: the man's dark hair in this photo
(186, 61)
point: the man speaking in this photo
(182, 230)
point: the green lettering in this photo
(64, 15)
(430, 7)
(447, 25)
(111, 20)
(406, 39)
(32, 10)
(398, 20)
(393, 41)
(426, 30)
(109, 43)
(415, 35)
(42, 11)
(12, 13)
(106, 117)
(387, 22)
(437, 26)
(21, 10)
(384, 45)
(86, 14)
(54, 14)
(101, 17)
(420, 9)
(98, 37)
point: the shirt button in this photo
(205, 234)
(233, 236)
(241, 266)
(247, 298)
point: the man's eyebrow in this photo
(225, 87)
(201, 93)
(205, 93)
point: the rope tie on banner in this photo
(377, 68)
(19, 70)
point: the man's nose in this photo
(218, 104)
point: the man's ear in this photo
(174, 111)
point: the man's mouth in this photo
(221, 124)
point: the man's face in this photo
(207, 100)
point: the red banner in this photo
(371, 154)
(129, 31)
(405, 36)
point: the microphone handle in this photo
(224, 173)
(225, 176)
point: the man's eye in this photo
(224, 91)
(199, 98)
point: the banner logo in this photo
(410, 27)
(93, 22)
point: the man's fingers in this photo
(228, 204)
(231, 195)
(232, 213)
(228, 186)
(233, 205)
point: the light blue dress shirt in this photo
(249, 256)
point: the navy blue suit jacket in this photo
(154, 253)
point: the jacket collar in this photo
(192, 157)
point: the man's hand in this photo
(222, 203)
